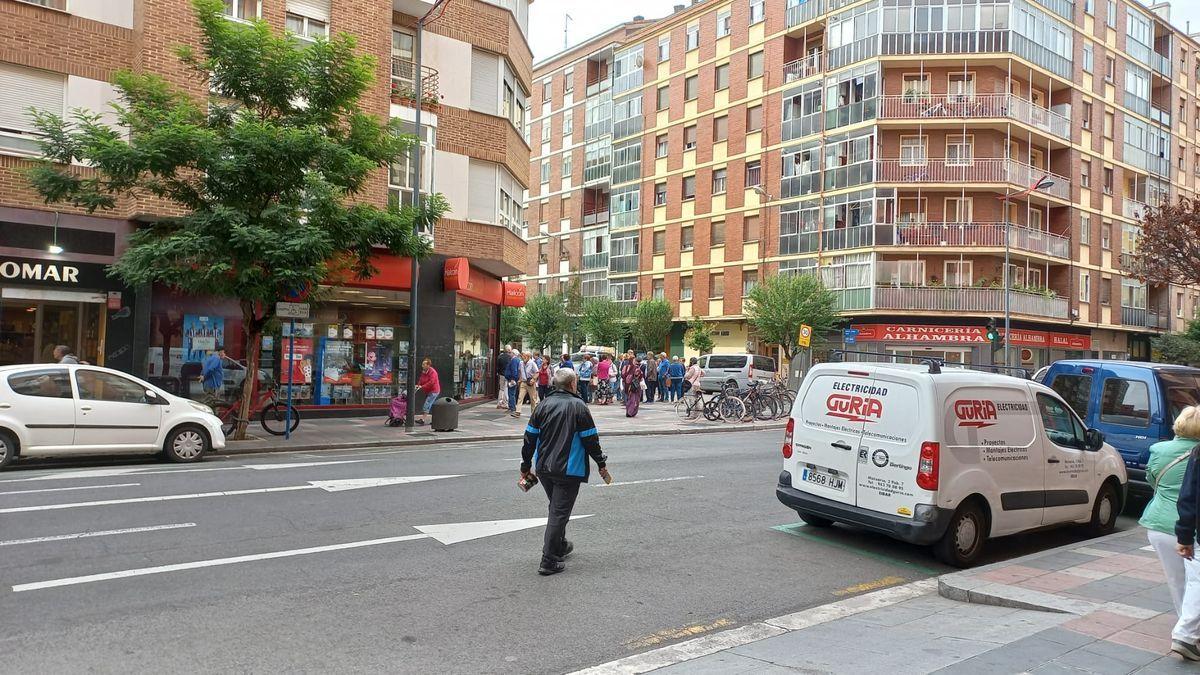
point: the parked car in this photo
(735, 369)
(947, 457)
(1134, 404)
(48, 409)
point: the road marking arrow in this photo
(326, 485)
(450, 533)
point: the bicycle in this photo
(759, 406)
(692, 404)
(725, 405)
(272, 413)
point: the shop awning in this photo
(395, 274)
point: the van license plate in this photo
(824, 479)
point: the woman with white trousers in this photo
(1168, 470)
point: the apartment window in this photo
(305, 27)
(660, 242)
(569, 81)
(657, 290)
(1086, 122)
(1085, 173)
(722, 76)
(1106, 236)
(238, 9)
(661, 146)
(1105, 289)
(1085, 286)
(566, 165)
(916, 87)
(689, 138)
(753, 173)
(685, 288)
(1085, 229)
(691, 88)
(660, 194)
(1089, 6)
(754, 118)
(756, 11)
(749, 281)
(1179, 305)
(750, 228)
(913, 150)
(960, 150)
(717, 233)
(545, 131)
(545, 172)
(664, 49)
(1088, 57)
(1109, 123)
(718, 180)
(1108, 180)
(568, 124)
(687, 237)
(958, 209)
(1110, 68)
(754, 65)
(664, 97)
(720, 128)
(689, 187)
(716, 286)
(724, 23)
(693, 37)
(1110, 14)
(546, 91)
(961, 86)
(38, 89)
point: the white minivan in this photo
(948, 457)
(734, 370)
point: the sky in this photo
(590, 17)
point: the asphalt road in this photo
(654, 563)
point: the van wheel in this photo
(962, 543)
(814, 520)
(1104, 511)
(8, 449)
(186, 444)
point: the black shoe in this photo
(568, 549)
(551, 568)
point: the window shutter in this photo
(24, 88)
(485, 82)
(313, 9)
(483, 192)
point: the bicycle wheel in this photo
(274, 418)
(228, 416)
(732, 409)
(712, 410)
(765, 408)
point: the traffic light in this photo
(994, 335)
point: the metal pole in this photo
(1007, 289)
(411, 383)
(287, 428)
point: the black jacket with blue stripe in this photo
(560, 437)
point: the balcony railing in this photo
(404, 82)
(927, 106)
(1134, 210)
(857, 236)
(595, 216)
(936, 235)
(595, 261)
(1161, 64)
(1145, 318)
(978, 170)
(804, 67)
(1159, 115)
(972, 300)
(804, 12)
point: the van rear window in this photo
(764, 363)
(1076, 390)
(1182, 390)
(727, 362)
(1125, 402)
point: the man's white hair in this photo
(564, 378)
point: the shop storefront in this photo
(1032, 348)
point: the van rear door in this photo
(890, 449)
(1125, 400)
(830, 416)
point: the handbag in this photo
(667, 382)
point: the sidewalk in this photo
(482, 422)
(1099, 606)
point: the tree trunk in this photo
(253, 326)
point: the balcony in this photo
(805, 67)
(1159, 115)
(858, 236)
(1145, 318)
(801, 13)
(595, 216)
(985, 170)
(595, 261)
(971, 235)
(969, 301)
(1134, 210)
(404, 85)
(941, 106)
(1161, 64)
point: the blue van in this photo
(1133, 404)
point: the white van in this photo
(734, 369)
(944, 457)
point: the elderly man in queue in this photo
(559, 439)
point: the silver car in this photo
(736, 369)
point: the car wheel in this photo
(1104, 511)
(187, 444)
(8, 449)
(962, 543)
(814, 520)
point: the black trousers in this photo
(561, 493)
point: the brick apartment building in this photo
(62, 54)
(889, 146)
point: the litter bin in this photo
(444, 414)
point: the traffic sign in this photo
(850, 335)
(805, 338)
(291, 310)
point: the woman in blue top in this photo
(1168, 470)
(676, 371)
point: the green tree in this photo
(652, 321)
(511, 319)
(1181, 348)
(545, 321)
(699, 336)
(780, 304)
(264, 171)
(601, 321)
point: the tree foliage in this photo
(699, 336)
(652, 321)
(601, 321)
(1180, 348)
(780, 304)
(264, 171)
(1168, 249)
(511, 319)
(544, 321)
(573, 304)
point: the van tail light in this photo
(787, 438)
(927, 467)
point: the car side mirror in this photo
(1093, 440)
(153, 398)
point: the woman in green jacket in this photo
(1165, 471)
